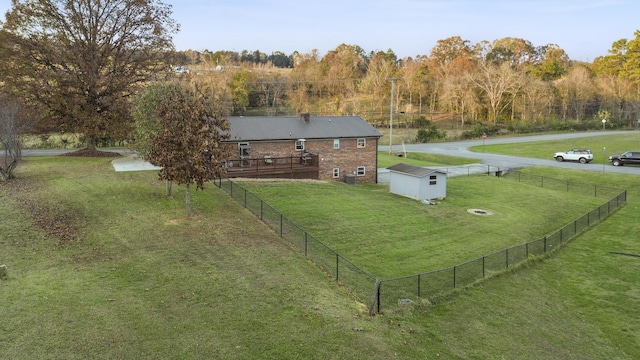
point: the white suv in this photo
(582, 155)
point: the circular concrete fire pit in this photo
(480, 212)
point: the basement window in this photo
(360, 171)
(336, 173)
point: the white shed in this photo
(417, 182)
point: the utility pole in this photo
(393, 81)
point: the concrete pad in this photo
(132, 162)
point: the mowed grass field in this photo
(102, 265)
(422, 159)
(601, 147)
(391, 236)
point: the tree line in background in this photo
(85, 63)
(507, 83)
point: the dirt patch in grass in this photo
(93, 153)
(59, 221)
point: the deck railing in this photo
(295, 166)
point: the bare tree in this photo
(81, 59)
(303, 79)
(495, 82)
(537, 100)
(376, 84)
(12, 125)
(458, 93)
(620, 95)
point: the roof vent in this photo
(306, 117)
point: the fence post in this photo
(375, 299)
(483, 269)
(305, 243)
(245, 198)
(599, 212)
(231, 188)
(418, 285)
(281, 225)
(545, 245)
(261, 211)
(337, 265)
(506, 256)
(454, 276)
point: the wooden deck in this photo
(292, 167)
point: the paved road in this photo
(461, 148)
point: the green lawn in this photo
(390, 235)
(103, 266)
(601, 146)
(422, 159)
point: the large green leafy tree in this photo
(240, 86)
(145, 114)
(187, 143)
(623, 59)
(82, 59)
(146, 117)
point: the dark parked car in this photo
(629, 157)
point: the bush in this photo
(481, 129)
(429, 134)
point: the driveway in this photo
(128, 162)
(132, 162)
(461, 148)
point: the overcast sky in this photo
(585, 29)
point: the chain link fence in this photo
(386, 293)
(339, 267)
(433, 284)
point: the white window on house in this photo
(336, 173)
(360, 171)
(336, 143)
(362, 142)
(433, 180)
(299, 145)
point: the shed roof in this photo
(412, 170)
(255, 128)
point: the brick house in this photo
(325, 147)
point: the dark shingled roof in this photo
(256, 128)
(413, 170)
